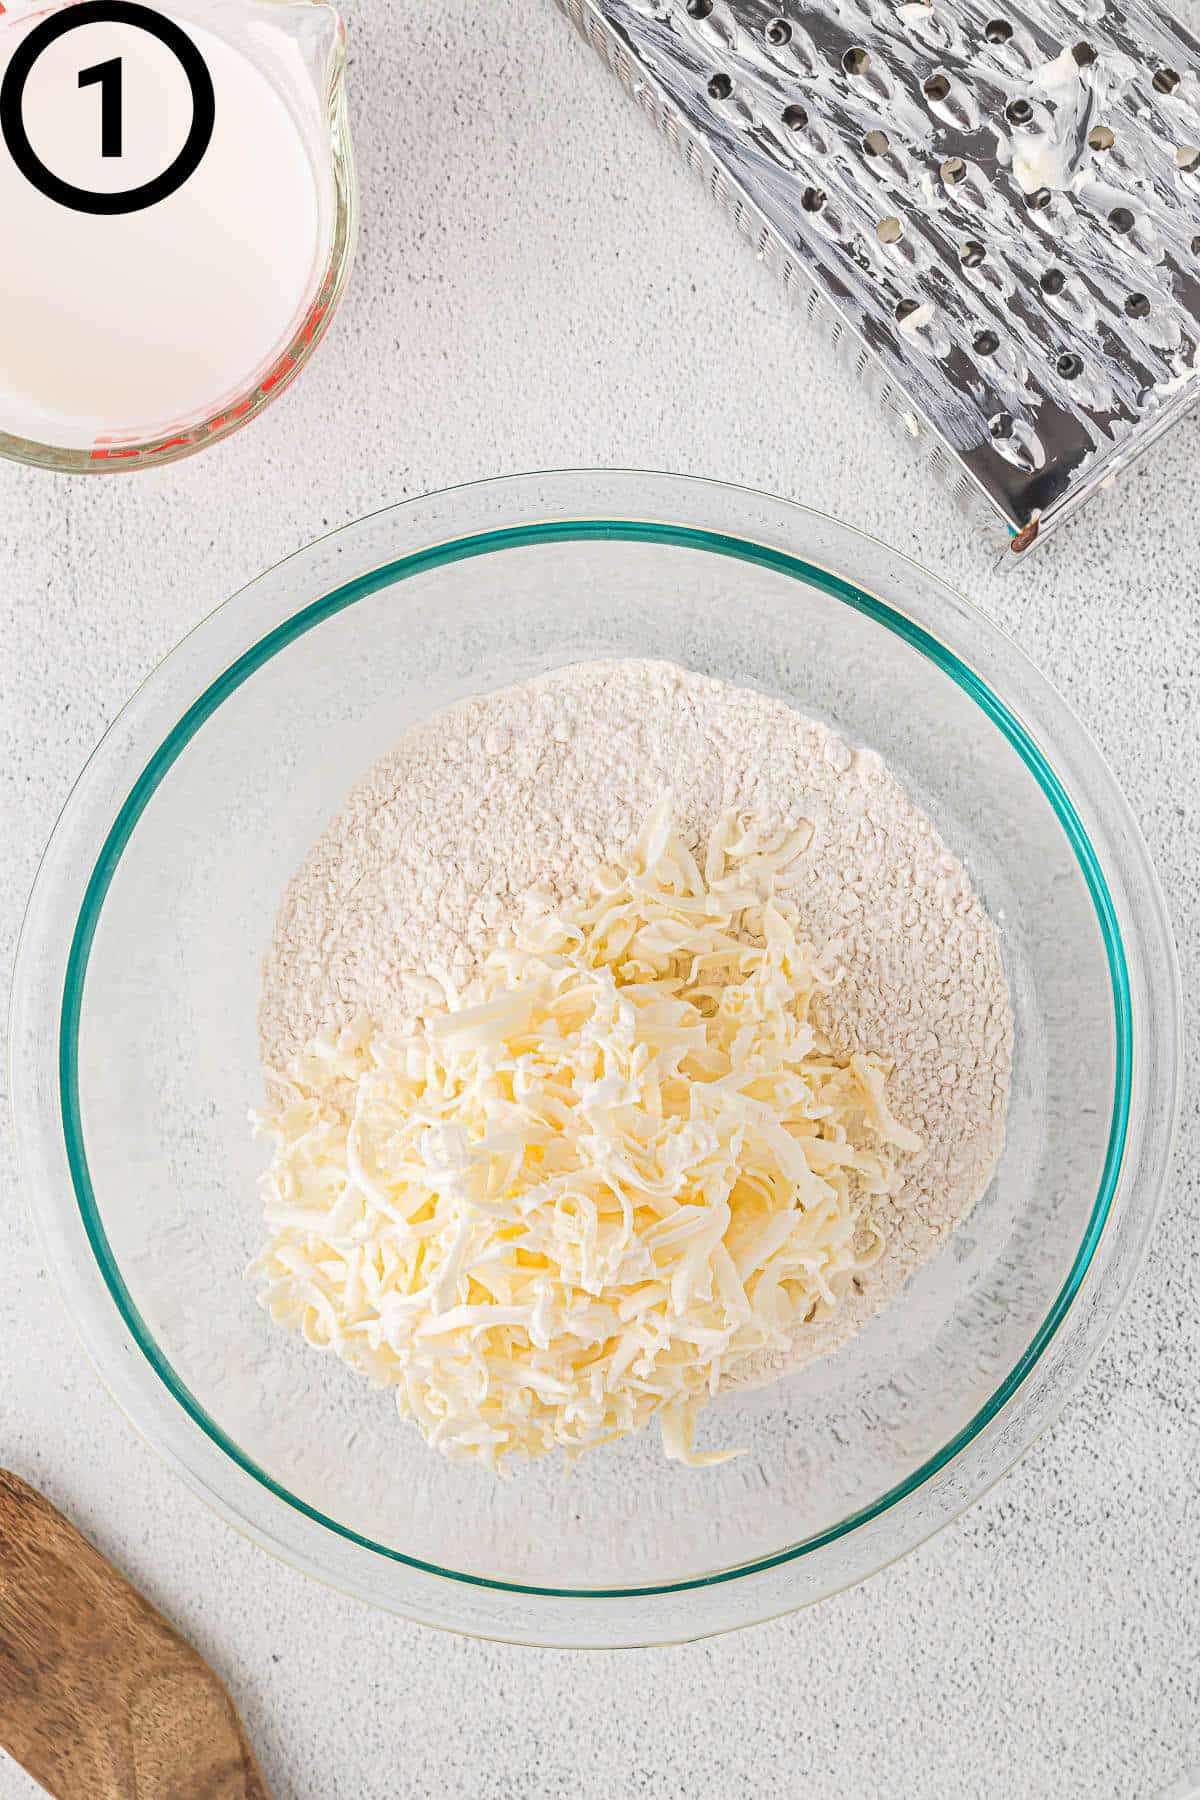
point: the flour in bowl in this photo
(512, 801)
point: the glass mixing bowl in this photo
(135, 1059)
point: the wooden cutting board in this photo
(101, 1699)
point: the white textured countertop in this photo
(539, 284)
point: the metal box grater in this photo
(994, 209)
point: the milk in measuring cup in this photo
(123, 328)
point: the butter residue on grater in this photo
(994, 209)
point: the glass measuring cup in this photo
(289, 55)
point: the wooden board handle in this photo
(101, 1699)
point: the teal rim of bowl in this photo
(460, 550)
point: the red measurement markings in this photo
(107, 449)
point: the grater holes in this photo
(1137, 305)
(889, 230)
(812, 199)
(985, 343)
(1165, 81)
(795, 118)
(1053, 281)
(1069, 365)
(856, 61)
(1121, 219)
(778, 33)
(1018, 112)
(959, 167)
(936, 87)
(1187, 156)
(720, 87)
(699, 9)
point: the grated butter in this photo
(589, 1186)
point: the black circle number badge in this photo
(107, 77)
